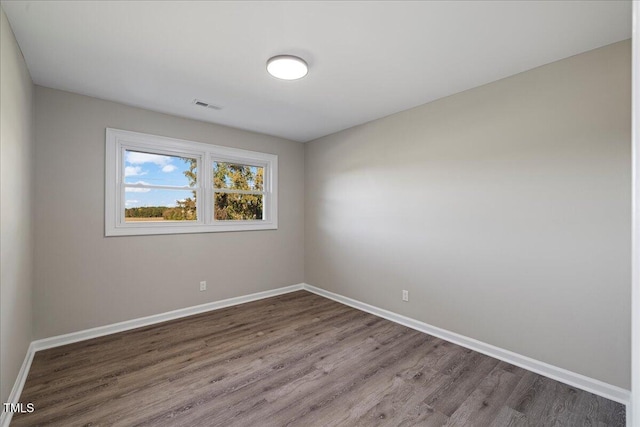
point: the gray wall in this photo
(504, 210)
(16, 189)
(84, 279)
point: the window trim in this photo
(117, 141)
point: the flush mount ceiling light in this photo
(287, 67)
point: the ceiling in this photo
(367, 59)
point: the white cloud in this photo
(169, 168)
(134, 171)
(137, 158)
(131, 202)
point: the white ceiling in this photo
(367, 59)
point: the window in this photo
(159, 185)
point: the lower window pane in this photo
(154, 205)
(238, 207)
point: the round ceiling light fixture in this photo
(287, 67)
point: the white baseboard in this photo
(157, 318)
(16, 391)
(573, 379)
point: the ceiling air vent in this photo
(206, 105)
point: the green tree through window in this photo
(238, 191)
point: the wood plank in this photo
(484, 404)
(507, 417)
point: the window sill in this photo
(139, 229)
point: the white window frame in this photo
(118, 141)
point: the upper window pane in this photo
(157, 169)
(234, 176)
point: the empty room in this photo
(319, 213)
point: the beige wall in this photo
(16, 189)
(504, 210)
(84, 279)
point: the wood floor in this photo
(296, 359)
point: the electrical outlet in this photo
(405, 296)
(203, 286)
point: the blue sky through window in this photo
(154, 169)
